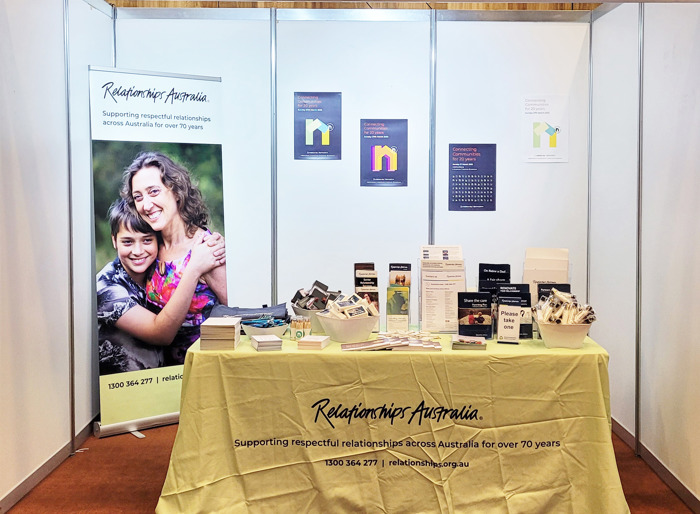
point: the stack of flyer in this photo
(266, 342)
(545, 266)
(460, 342)
(367, 284)
(311, 342)
(442, 276)
(220, 333)
(398, 296)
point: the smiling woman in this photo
(164, 195)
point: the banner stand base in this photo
(99, 430)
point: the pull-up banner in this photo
(132, 112)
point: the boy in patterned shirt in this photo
(130, 336)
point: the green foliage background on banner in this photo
(111, 158)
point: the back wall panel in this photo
(233, 44)
(484, 70)
(327, 221)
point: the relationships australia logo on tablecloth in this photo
(120, 92)
(325, 411)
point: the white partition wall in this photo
(484, 70)
(670, 326)
(233, 44)
(34, 254)
(327, 221)
(613, 230)
(90, 42)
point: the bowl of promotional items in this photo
(353, 330)
(563, 336)
(264, 326)
(561, 321)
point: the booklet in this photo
(490, 275)
(399, 274)
(397, 308)
(475, 316)
(494, 272)
(367, 284)
(460, 342)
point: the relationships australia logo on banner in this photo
(326, 412)
(119, 92)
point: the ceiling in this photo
(349, 4)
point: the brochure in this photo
(475, 317)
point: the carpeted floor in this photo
(124, 474)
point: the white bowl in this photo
(258, 331)
(316, 327)
(352, 330)
(563, 336)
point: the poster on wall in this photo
(545, 128)
(158, 204)
(317, 126)
(472, 184)
(383, 153)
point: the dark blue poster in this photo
(472, 177)
(383, 153)
(317, 124)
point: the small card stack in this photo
(417, 345)
(266, 343)
(220, 333)
(460, 342)
(313, 342)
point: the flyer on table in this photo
(177, 118)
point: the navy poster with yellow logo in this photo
(383, 153)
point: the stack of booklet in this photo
(411, 341)
(266, 343)
(460, 342)
(220, 333)
(313, 342)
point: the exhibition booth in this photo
(613, 184)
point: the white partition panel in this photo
(90, 39)
(484, 70)
(327, 221)
(670, 377)
(613, 230)
(34, 253)
(233, 44)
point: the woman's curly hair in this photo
(175, 177)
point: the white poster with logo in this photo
(545, 128)
(179, 119)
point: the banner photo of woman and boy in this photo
(160, 252)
